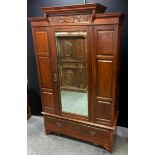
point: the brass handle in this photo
(55, 77)
(92, 133)
(58, 125)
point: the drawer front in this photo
(94, 135)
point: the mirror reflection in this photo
(72, 64)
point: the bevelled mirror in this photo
(72, 66)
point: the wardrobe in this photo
(77, 51)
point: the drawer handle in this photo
(59, 125)
(92, 133)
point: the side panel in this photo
(41, 43)
(48, 100)
(105, 41)
(45, 72)
(105, 73)
(104, 78)
(45, 68)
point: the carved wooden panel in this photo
(80, 49)
(72, 58)
(73, 78)
(41, 43)
(45, 72)
(103, 112)
(104, 78)
(105, 42)
(72, 48)
(67, 48)
(68, 77)
(48, 100)
(70, 19)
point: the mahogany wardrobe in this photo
(77, 51)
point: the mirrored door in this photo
(73, 74)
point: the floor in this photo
(40, 144)
(74, 102)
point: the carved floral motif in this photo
(70, 19)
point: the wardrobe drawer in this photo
(91, 134)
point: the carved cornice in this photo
(70, 19)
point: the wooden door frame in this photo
(76, 28)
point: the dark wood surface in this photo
(103, 39)
(77, 130)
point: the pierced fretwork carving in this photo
(70, 19)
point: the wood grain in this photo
(104, 78)
(45, 74)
